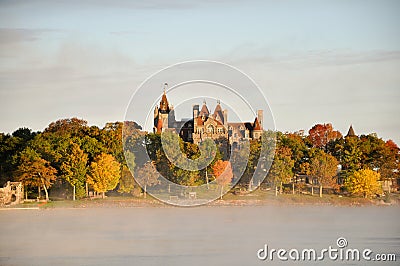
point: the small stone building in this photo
(12, 193)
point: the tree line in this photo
(69, 157)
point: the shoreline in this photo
(260, 199)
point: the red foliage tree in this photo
(321, 134)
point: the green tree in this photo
(35, 172)
(74, 169)
(104, 173)
(297, 145)
(364, 182)
(282, 167)
(352, 155)
(127, 182)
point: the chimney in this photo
(195, 110)
(225, 113)
(195, 114)
(260, 118)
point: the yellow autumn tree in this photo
(104, 173)
(364, 182)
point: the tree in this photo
(297, 145)
(35, 171)
(127, 182)
(321, 134)
(70, 126)
(74, 168)
(223, 173)
(24, 133)
(364, 182)
(147, 175)
(351, 159)
(282, 167)
(10, 147)
(323, 166)
(389, 163)
(104, 173)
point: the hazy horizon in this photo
(317, 62)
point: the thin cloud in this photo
(17, 35)
(311, 58)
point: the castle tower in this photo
(257, 130)
(161, 113)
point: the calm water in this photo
(190, 236)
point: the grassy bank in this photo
(257, 197)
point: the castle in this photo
(205, 124)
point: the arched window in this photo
(210, 129)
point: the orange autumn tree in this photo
(35, 171)
(223, 173)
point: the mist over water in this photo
(190, 236)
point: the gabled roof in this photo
(200, 121)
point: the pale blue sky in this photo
(316, 61)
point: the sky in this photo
(316, 61)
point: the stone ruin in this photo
(12, 193)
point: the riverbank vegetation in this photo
(72, 160)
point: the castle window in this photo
(210, 129)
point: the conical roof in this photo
(204, 110)
(351, 133)
(164, 105)
(256, 125)
(218, 112)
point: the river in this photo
(193, 236)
